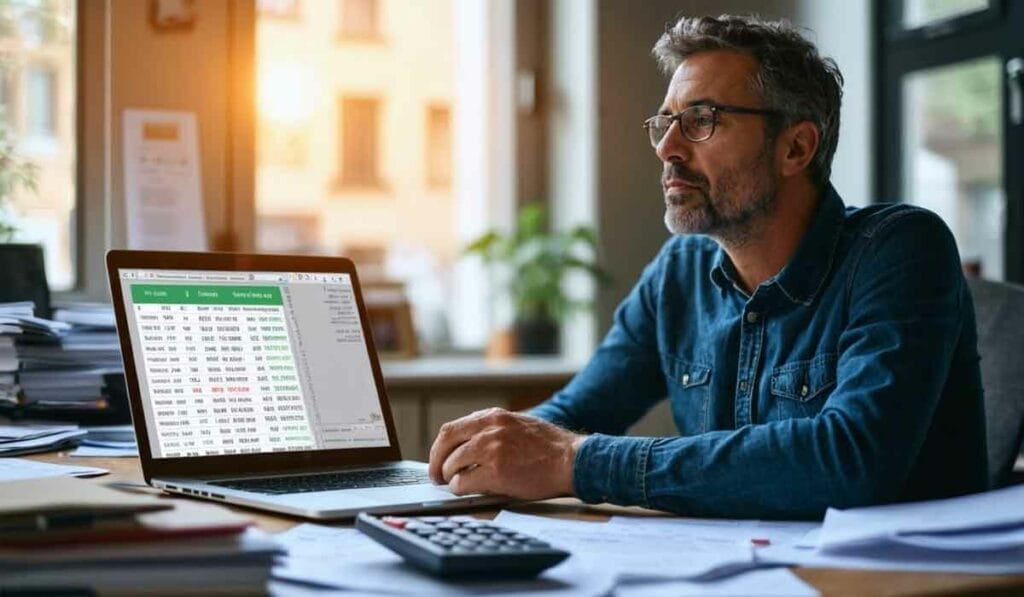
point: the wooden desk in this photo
(829, 582)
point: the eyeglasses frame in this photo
(715, 110)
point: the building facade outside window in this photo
(342, 134)
(38, 41)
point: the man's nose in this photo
(673, 146)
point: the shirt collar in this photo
(804, 276)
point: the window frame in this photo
(900, 52)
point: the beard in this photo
(729, 210)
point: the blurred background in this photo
(398, 131)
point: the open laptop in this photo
(253, 380)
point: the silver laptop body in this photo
(253, 380)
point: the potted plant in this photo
(22, 264)
(15, 173)
(536, 261)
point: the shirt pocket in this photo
(798, 389)
(690, 393)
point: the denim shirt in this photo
(849, 378)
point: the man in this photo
(814, 355)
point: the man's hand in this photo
(499, 452)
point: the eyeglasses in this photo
(696, 122)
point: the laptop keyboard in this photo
(381, 477)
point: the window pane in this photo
(439, 147)
(37, 91)
(917, 13)
(358, 141)
(953, 147)
(359, 19)
(41, 101)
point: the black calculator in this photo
(453, 547)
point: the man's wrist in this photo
(570, 463)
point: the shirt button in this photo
(752, 317)
(686, 378)
(743, 386)
(803, 390)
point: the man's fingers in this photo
(460, 458)
(453, 434)
(473, 479)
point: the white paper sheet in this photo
(899, 557)
(634, 551)
(16, 469)
(773, 582)
(102, 452)
(27, 432)
(40, 444)
(741, 531)
(162, 184)
(990, 540)
(847, 528)
(345, 558)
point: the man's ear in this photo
(796, 147)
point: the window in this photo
(366, 189)
(948, 140)
(358, 19)
(359, 118)
(438, 156)
(38, 72)
(40, 101)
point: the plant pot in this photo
(536, 336)
(24, 274)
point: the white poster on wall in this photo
(163, 192)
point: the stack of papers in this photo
(66, 368)
(981, 534)
(29, 439)
(96, 539)
(627, 555)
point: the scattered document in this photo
(103, 452)
(18, 440)
(898, 557)
(17, 469)
(980, 534)
(637, 551)
(749, 532)
(1000, 508)
(345, 558)
(772, 582)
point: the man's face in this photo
(718, 186)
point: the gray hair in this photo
(792, 76)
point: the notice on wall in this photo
(163, 192)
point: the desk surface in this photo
(829, 582)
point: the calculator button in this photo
(476, 537)
(431, 519)
(398, 523)
(485, 530)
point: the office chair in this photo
(1000, 314)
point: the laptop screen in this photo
(235, 362)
